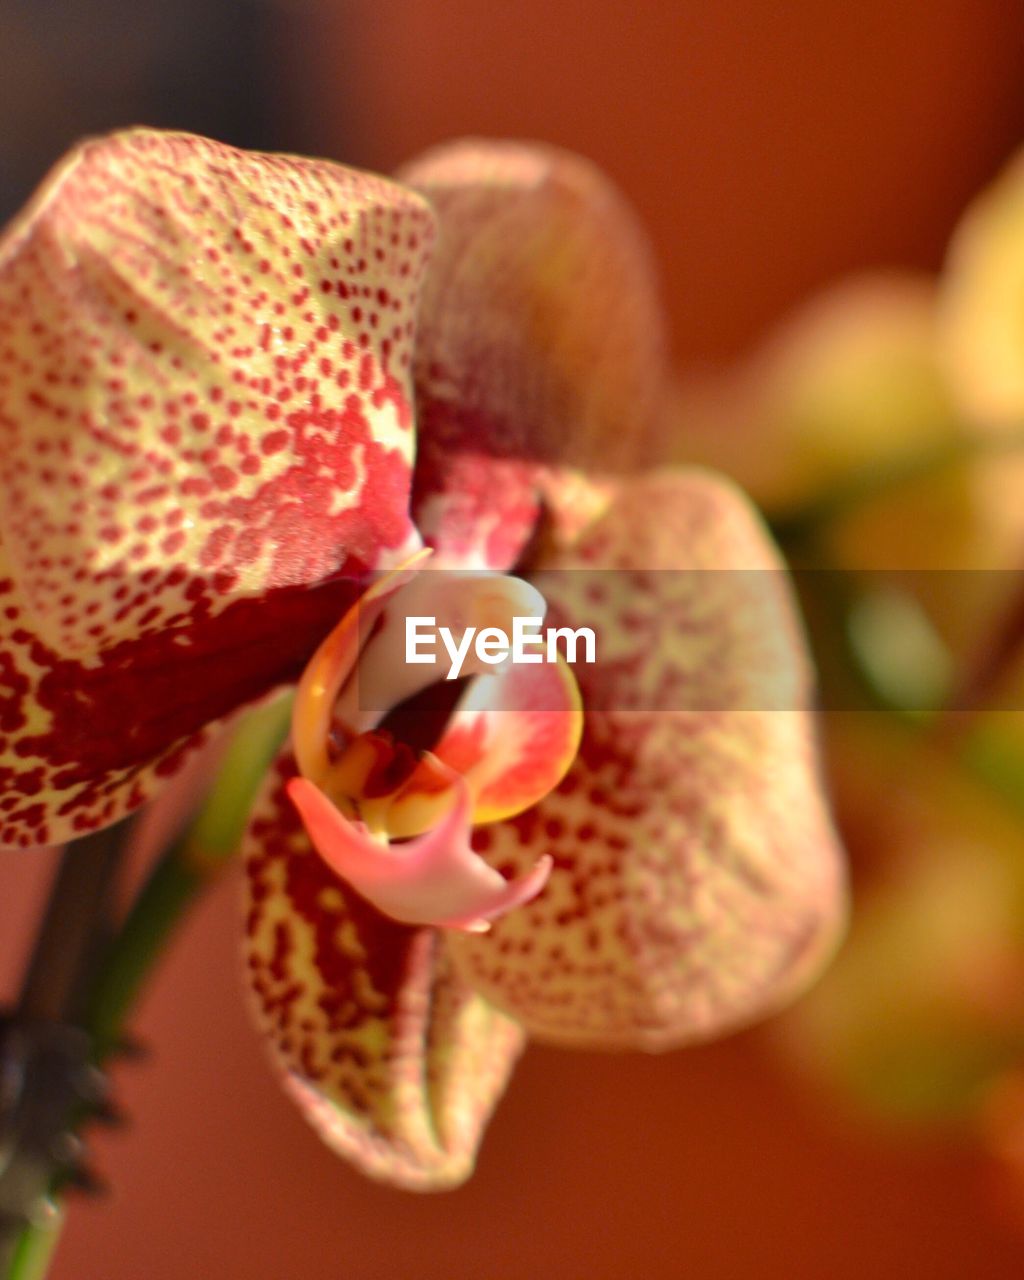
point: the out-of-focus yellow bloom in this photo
(851, 382)
(924, 1009)
(982, 315)
(882, 428)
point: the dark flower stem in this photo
(82, 984)
(44, 1048)
(74, 927)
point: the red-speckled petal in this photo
(393, 1059)
(204, 406)
(82, 744)
(541, 339)
(697, 879)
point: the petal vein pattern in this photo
(204, 408)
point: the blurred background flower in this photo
(770, 153)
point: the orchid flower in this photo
(254, 417)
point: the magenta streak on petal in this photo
(435, 879)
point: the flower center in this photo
(510, 739)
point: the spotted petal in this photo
(541, 335)
(204, 407)
(392, 1058)
(696, 881)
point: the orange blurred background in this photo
(768, 148)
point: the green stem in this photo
(178, 878)
(796, 526)
(993, 757)
(34, 1248)
(181, 874)
(162, 902)
(986, 750)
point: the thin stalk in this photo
(72, 932)
(182, 873)
(34, 1248)
(44, 1046)
(101, 994)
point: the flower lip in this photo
(502, 749)
(435, 879)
